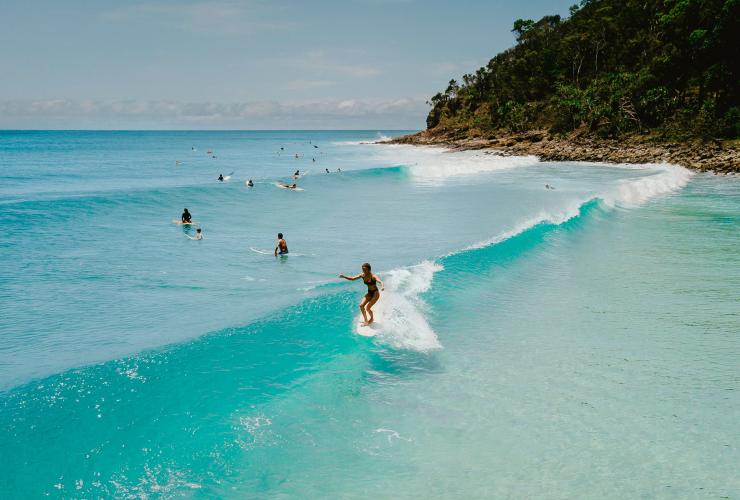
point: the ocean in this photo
(575, 342)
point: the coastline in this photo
(703, 157)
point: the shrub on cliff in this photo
(613, 67)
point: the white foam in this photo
(555, 218)
(635, 192)
(400, 319)
(435, 164)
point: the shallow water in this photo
(580, 341)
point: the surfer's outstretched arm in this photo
(350, 278)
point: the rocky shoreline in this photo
(702, 156)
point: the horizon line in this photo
(208, 130)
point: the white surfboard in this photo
(367, 330)
(288, 188)
(373, 328)
(261, 252)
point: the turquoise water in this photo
(576, 342)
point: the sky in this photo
(243, 64)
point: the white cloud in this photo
(351, 113)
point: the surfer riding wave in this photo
(373, 293)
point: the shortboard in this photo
(288, 188)
(265, 252)
(261, 252)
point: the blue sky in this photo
(246, 64)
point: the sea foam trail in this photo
(635, 192)
(400, 313)
(628, 194)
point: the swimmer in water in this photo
(327, 170)
(282, 246)
(198, 235)
(221, 177)
(186, 217)
(250, 183)
(373, 293)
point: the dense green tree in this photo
(613, 67)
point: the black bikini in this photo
(372, 287)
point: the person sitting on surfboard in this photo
(250, 183)
(282, 246)
(186, 217)
(221, 177)
(373, 294)
(198, 235)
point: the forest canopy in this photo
(670, 68)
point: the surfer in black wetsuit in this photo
(282, 246)
(186, 217)
(221, 177)
(373, 293)
(250, 183)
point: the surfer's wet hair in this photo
(280, 235)
(366, 266)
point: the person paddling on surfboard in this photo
(186, 217)
(373, 293)
(282, 246)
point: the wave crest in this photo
(400, 318)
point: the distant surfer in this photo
(373, 293)
(297, 174)
(221, 177)
(250, 183)
(186, 218)
(339, 170)
(282, 246)
(198, 235)
(547, 186)
(289, 186)
(178, 162)
(327, 170)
